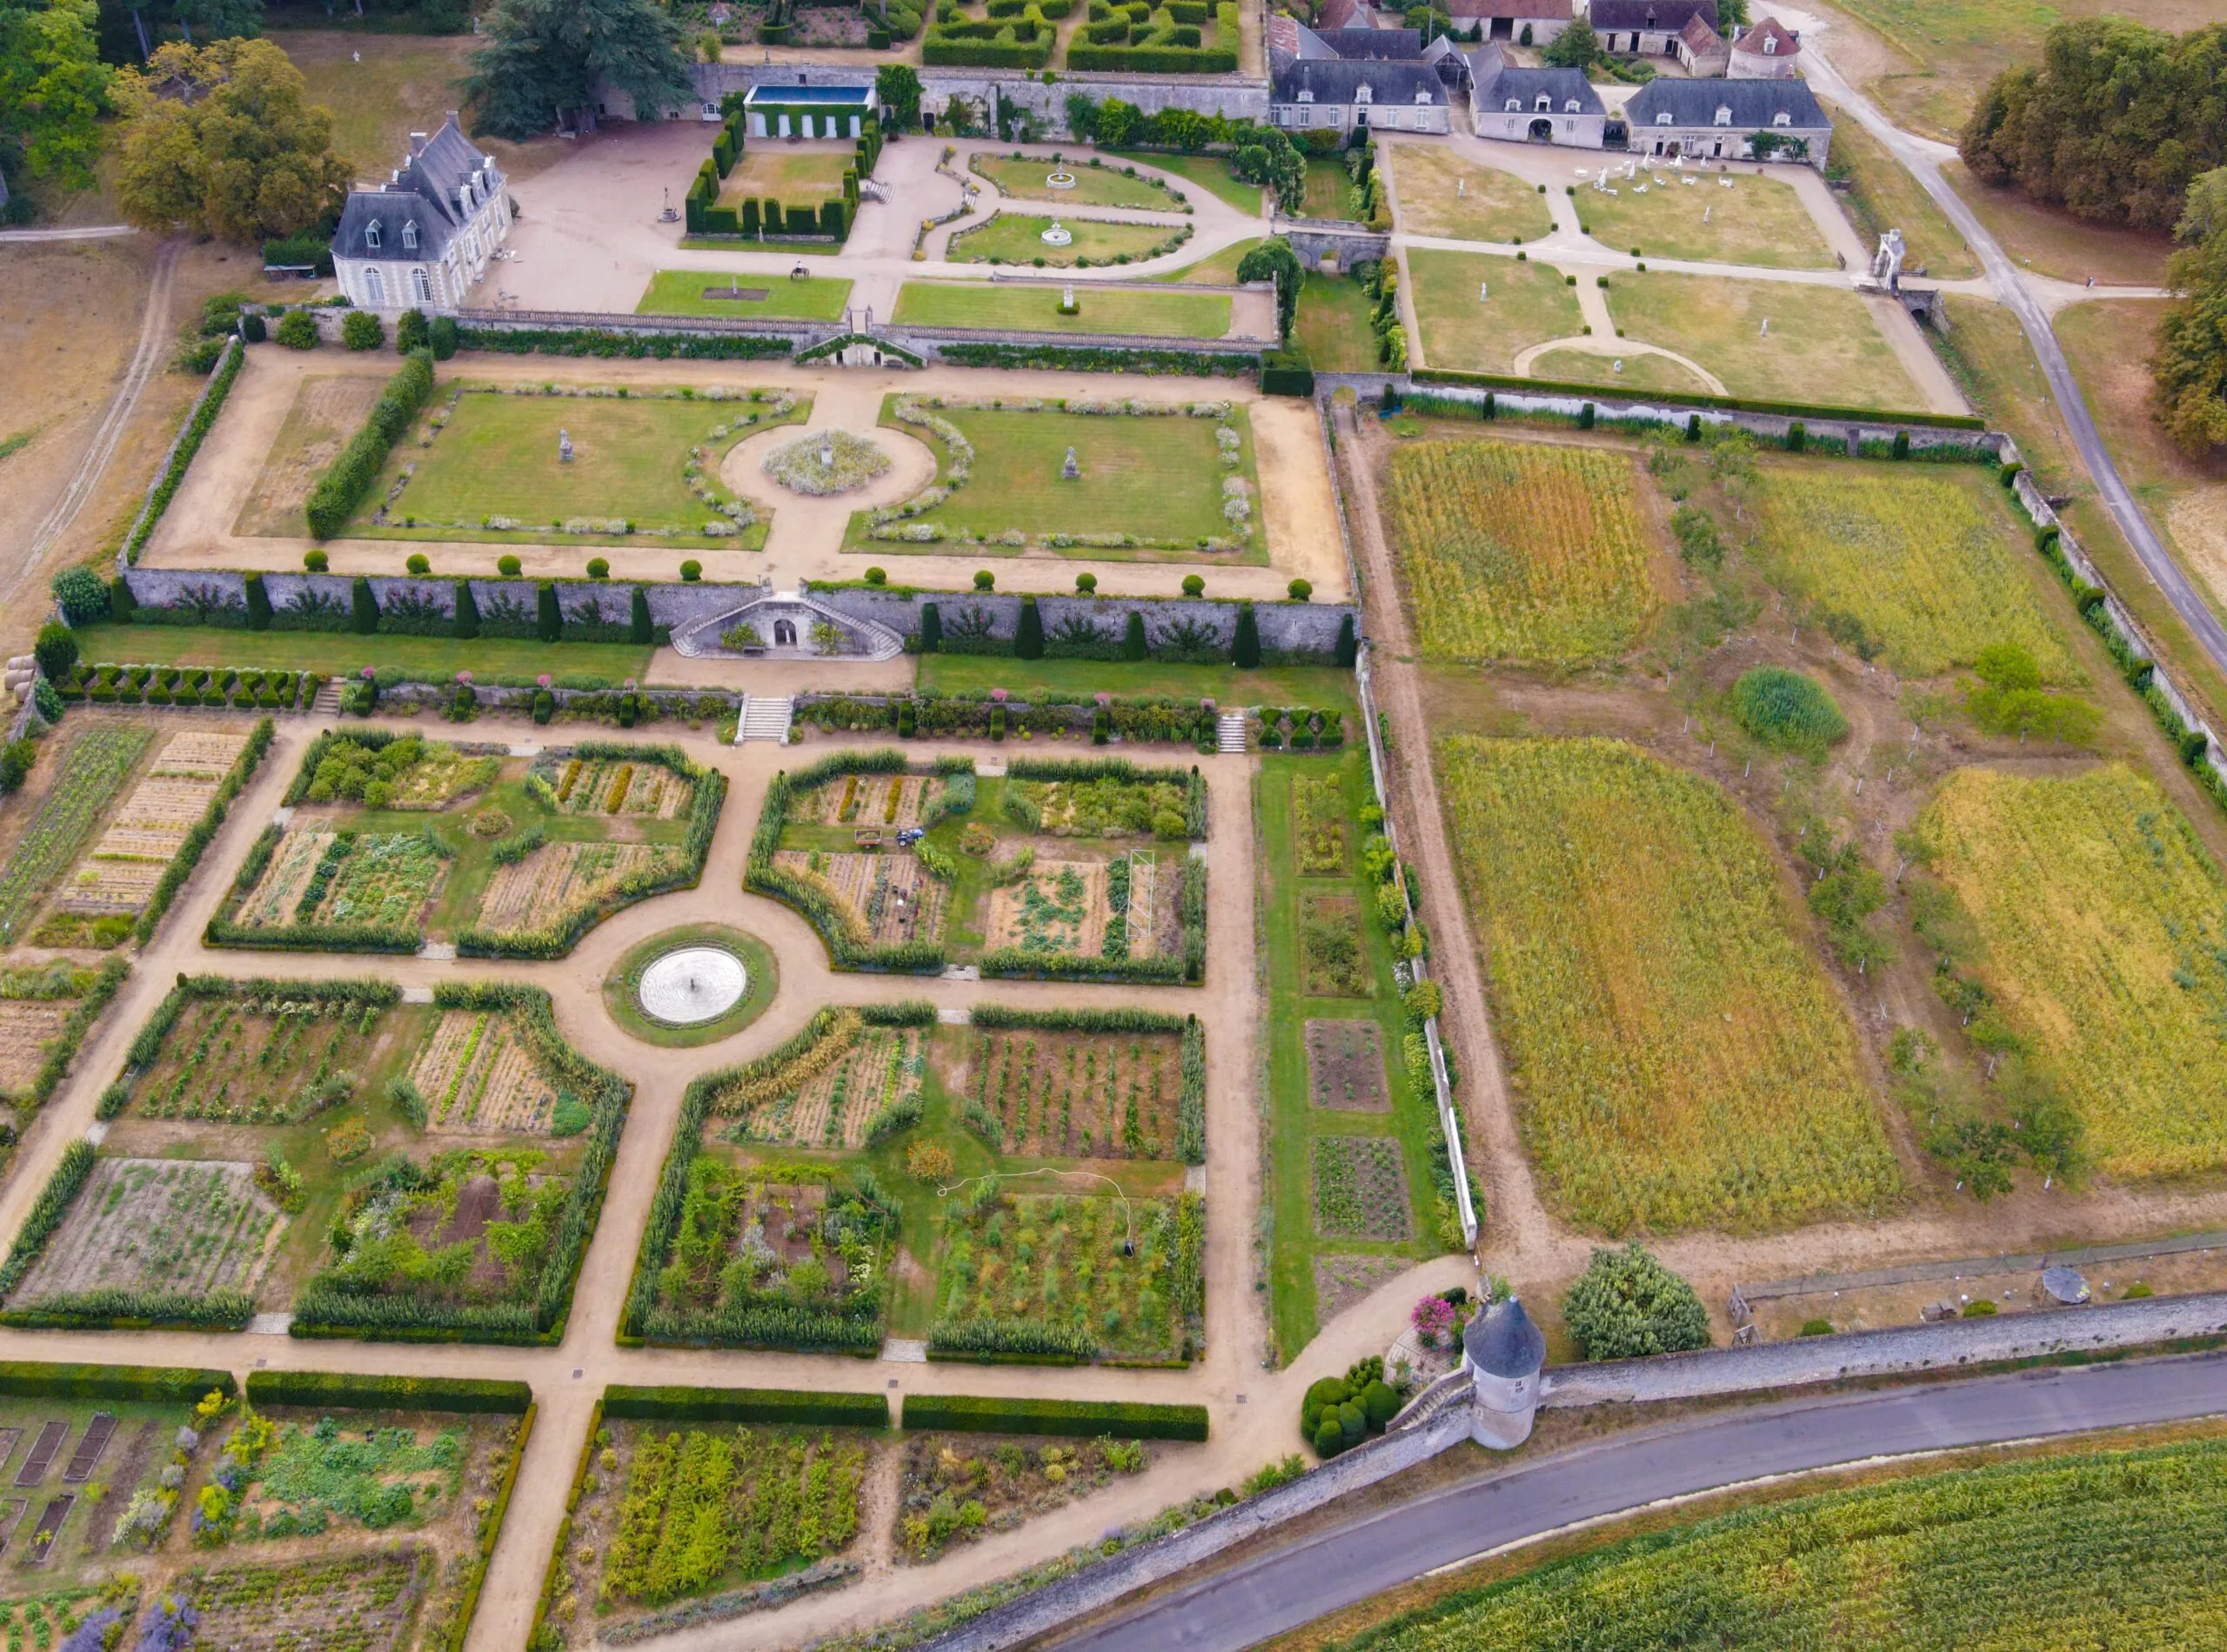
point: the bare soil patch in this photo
(1340, 1282)
(1345, 1067)
(159, 1225)
(326, 412)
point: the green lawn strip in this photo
(1160, 315)
(762, 979)
(799, 177)
(1527, 303)
(701, 292)
(344, 652)
(1096, 184)
(1331, 325)
(1444, 192)
(1758, 221)
(1018, 238)
(1295, 1124)
(1215, 270)
(1027, 679)
(1326, 183)
(1819, 335)
(1641, 372)
(1210, 172)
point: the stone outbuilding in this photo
(1769, 50)
(1728, 120)
(1701, 51)
(1503, 1352)
(1534, 105)
(1646, 27)
(1521, 23)
(421, 240)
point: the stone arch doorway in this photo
(1542, 131)
(784, 633)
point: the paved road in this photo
(1923, 158)
(1332, 1569)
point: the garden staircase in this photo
(327, 703)
(1229, 732)
(764, 717)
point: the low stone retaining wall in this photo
(1307, 628)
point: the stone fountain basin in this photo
(693, 984)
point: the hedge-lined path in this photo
(1251, 1411)
(1297, 511)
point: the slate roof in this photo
(1381, 45)
(1336, 14)
(1520, 10)
(1754, 103)
(1335, 81)
(427, 190)
(1496, 82)
(1668, 15)
(1503, 1343)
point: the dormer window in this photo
(1663, 119)
(1782, 119)
(1723, 115)
(1306, 97)
(1570, 108)
(1770, 45)
(1546, 103)
(372, 235)
(410, 236)
(1361, 95)
(1422, 97)
(1515, 105)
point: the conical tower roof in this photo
(1503, 1343)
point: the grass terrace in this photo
(328, 409)
(1693, 217)
(1096, 184)
(1443, 192)
(1331, 325)
(1018, 238)
(1641, 372)
(336, 653)
(1210, 172)
(793, 175)
(1028, 680)
(782, 298)
(1527, 303)
(1821, 336)
(1036, 309)
(1215, 270)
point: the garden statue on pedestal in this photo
(1068, 305)
(564, 445)
(1070, 472)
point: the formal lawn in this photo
(1160, 315)
(794, 177)
(1527, 303)
(1332, 324)
(340, 652)
(1215, 270)
(1096, 184)
(1882, 195)
(497, 461)
(1225, 685)
(1326, 183)
(1758, 220)
(1442, 191)
(699, 293)
(1159, 478)
(1210, 172)
(1018, 238)
(1822, 342)
(1641, 372)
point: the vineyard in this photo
(93, 770)
(1089, 1096)
(542, 890)
(245, 1060)
(476, 1074)
(886, 900)
(170, 1226)
(362, 1600)
(150, 829)
(1528, 553)
(1345, 1067)
(957, 1487)
(466, 1227)
(855, 1072)
(751, 1255)
(2008, 1554)
(1045, 1274)
(2102, 930)
(1319, 825)
(1360, 1188)
(1925, 567)
(1684, 1060)
(614, 786)
(703, 1507)
(870, 799)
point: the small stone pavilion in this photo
(1503, 1352)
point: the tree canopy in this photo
(545, 58)
(1273, 260)
(1577, 47)
(2113, 124)
(2190, 366)
(897, 87)
(1626, 1304)
(222, 139)
(53, 90)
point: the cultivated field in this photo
(1683, 1059)
(1522, 304)
(885, 898)
(361, 1602)
(99, 758)
(895, 801)
(829, 1096)
(172, 1225)
(614, 786)
(1664, 213)
(1927, 562)
(1345, 1065)
(478, 1076)
(1521, 551)
(1360, 1190)
(1110, 1095)
(1443, 192)
(2102, 922)
(243, 1060)
(551, 883)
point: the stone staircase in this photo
(764, 717)
(327, 703)
(1229, 732)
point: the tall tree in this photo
(2190, 366)
(53, 89)
(897, 88)
(1577, 47)
(545, 58)
(222, 139)
(203, 22)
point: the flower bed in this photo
(831, 462)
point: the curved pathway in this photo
(1586, 344)
(1336, 1567)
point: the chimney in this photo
(416, 144)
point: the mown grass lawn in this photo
(1326, 183)
(1332, 324)
(1527, 303)
(792, 176)
(1018, 238)
(1215, 270)
(1758, 221)
(1210, 172)
(1822, 341)
(1027, 679)
(1096, 184)
(1883, 196)
(339, 652)
(701, 292)
(1442, 191)
(1641, 372)
(1158, 315)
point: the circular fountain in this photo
(1059, 235)
(693, 984)
(1060, 179)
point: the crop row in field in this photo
(158, 1225)
(834, 1105)
(476, 1076)
(612, 785)
(1522, 553)
(545, 889)
(749, 1249)
(884, 899)
(93, 770)
(247, 1063)
(1683, 1060)
(1079, 1094)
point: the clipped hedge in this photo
(198, 426)
(748, 1405)
(1088, 358)
(159, 1384)
(349, 475)
(366, 1391)
(602, 342)
(989, 1414)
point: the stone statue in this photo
(1887, 263)
(1070, 472)
(564, 445)
(1068, 298)
(827, 455)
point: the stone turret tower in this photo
(1503, 1352)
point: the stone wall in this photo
(1285, 627)
(1235, 96)
(611, 599)
(1348, 243)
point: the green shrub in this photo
(297, 330)
(1123, 1419)
(1628, 1304)
(1787, 711)
(361, 330)
(787, 1406)
(160, 1384)
(366, 1391)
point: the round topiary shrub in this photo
(297, 330)
(1194, 584)
(419, 563)
(691, 571)
(1626, 1304)
(1086, 583)
(985, 580)
(509, 567)
(599, 568)
(360, 330)
(1299, 590)
(316, 561)
(1379, 1403)
(1787, 711)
